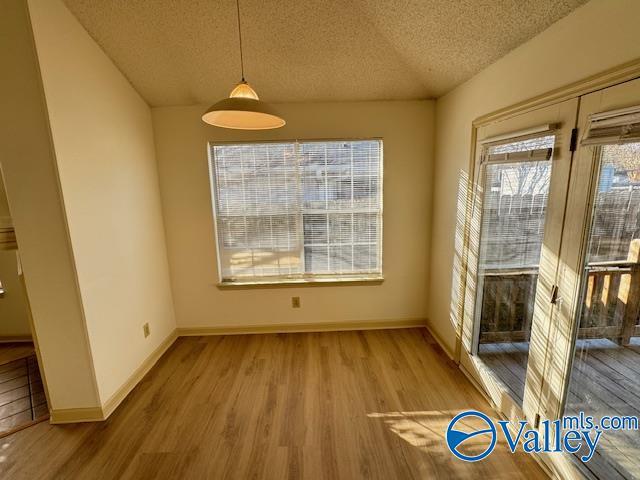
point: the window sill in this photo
(329, 282)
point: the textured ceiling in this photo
(180, 52)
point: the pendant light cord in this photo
(240, 39)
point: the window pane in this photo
(344, 181)
(605, 374)
(257, 199)
(365, 228)
(340, 228)
(315, 229)
(513, 213)
(340, 258)
(513, 216)
(314, 191)
(365, 258)
(316, 259)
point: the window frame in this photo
(304, 280)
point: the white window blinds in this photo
(516, 182)
(290, 211)
(614, 127)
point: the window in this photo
(517, 178)
(298, 211)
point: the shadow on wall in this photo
(464, 264)
(463, 299)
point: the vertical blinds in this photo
(298, 210)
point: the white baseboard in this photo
(15, 338)
(440, 342)
(96, 414)
(116, 399)
(301, 327)
(76, 415)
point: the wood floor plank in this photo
(334, 405)
(10, 352)
(605, 381)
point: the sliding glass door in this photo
(515, 182)
(551, 321)
(600, 278)
(521, 178)
(605, 376)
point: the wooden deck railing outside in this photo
(611, 306)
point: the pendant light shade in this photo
(243, 110)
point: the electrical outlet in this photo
(146, 330)
(295, 302)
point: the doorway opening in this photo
(23, 401)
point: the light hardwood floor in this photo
(336, 405)
(605, 381)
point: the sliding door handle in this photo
(554, 295)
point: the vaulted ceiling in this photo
(181, 52)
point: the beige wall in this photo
(13, 307)
(31, 179)
(103, 139)
(5, 216)
(14, 317)
(595, 37)
(181, 145)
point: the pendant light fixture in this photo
(243, 109)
